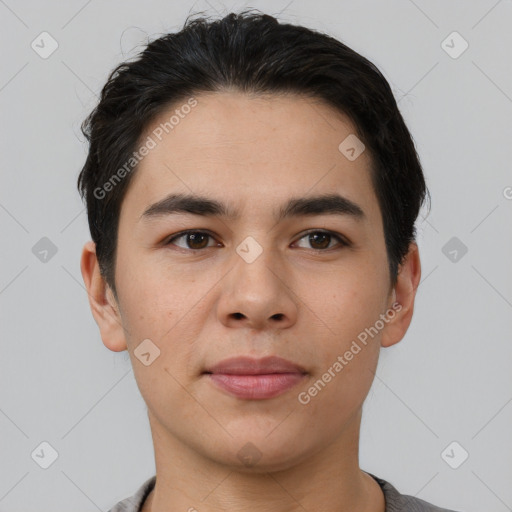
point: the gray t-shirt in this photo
(395, 502)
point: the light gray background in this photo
(449, 379)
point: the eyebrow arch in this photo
(333, 204)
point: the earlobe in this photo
(104, 309)
(403, 296)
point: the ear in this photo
(104, 307)
(405, 292)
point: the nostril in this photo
(278, 316)
(238, 315)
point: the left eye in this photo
(323, 239)
(198, 240)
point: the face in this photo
(266, 277)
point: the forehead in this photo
(250, 151)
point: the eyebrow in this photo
(331, 204)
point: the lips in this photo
(255, 379)
(252, 366)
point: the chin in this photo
(259, 452)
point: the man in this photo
(252, 190)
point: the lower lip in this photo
(256, 387)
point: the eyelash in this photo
(341, 241)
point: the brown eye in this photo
(195, 240)
(321, 240)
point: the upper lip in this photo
(245, 365)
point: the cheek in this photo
(348, 301)
(344, 371)
(151, 300)
(166, 308)
(351, 330)
(336, 393)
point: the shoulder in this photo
(396, 502)
(134, 503)
(413, 504)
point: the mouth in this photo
(255, 379)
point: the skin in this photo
(253, 153)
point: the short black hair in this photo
(253, 53)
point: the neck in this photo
(329, 480)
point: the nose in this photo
(258, 295)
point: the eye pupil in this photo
(192, 238)
(313, 237)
